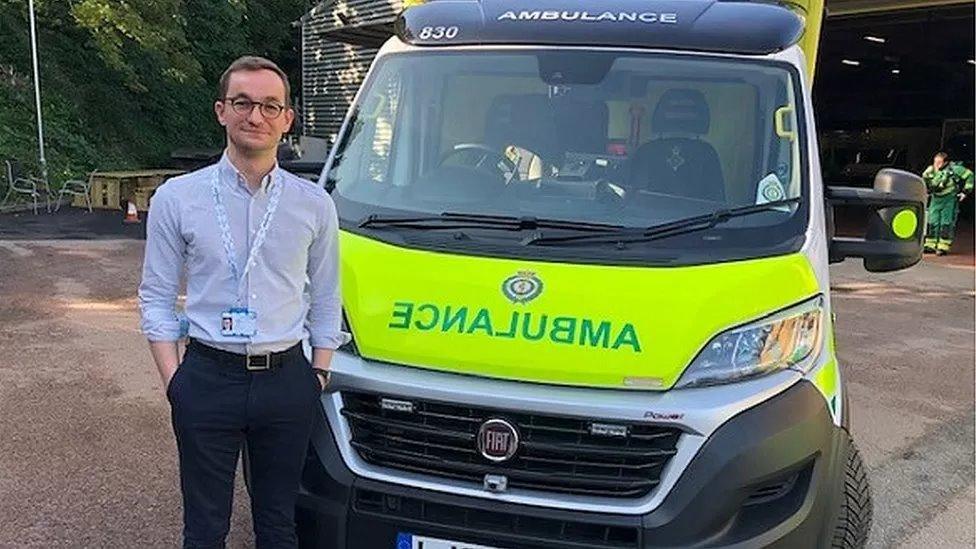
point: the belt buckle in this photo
(257, 363)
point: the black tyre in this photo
(855, 508)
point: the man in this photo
(259, 249)
(948, 183)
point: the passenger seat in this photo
(678, 161)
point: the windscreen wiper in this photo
(664, 230)
(451, 220)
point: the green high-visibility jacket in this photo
(953, 178)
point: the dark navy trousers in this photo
(217, 407)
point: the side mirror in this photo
(895, 211)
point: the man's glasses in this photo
(245, 107)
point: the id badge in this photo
(239, 322)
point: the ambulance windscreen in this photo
(624, 138)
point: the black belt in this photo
(254, 363)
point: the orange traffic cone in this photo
(131, 214)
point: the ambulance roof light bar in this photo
(722, 26)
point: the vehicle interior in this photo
(623, 140)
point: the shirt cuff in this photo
(168, 329)
(330, 340)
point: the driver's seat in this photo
(526, 121)
(679, 162)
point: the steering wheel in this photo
(487, 158)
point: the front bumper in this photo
(768, 477)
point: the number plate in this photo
(410, 541)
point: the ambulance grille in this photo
(555, 454)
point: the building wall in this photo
(857, 7)
(335, 59)
(331, 75)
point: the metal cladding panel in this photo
(330, 16)
(339, 42)
(697, 25)
(331, 76)
(859, 7)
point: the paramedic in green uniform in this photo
(947, 182)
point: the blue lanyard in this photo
(228, 240)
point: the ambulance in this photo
(585, 252)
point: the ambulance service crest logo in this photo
(675, 160)
(522, 287)
(773, 193)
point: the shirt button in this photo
(254, 296)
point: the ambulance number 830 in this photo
(438, 33)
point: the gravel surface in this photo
(88, 457)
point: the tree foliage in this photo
(125, 82)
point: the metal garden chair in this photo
(77, 187)
(18, 185)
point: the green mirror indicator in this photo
(904, 224)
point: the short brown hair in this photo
(254, 63)
(943, 155)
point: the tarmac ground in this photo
(88, 457)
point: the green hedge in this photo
(125, 82)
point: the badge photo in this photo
(239, 322)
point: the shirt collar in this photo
(230, 175)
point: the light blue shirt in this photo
(293, 286)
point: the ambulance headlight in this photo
(791, 338)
